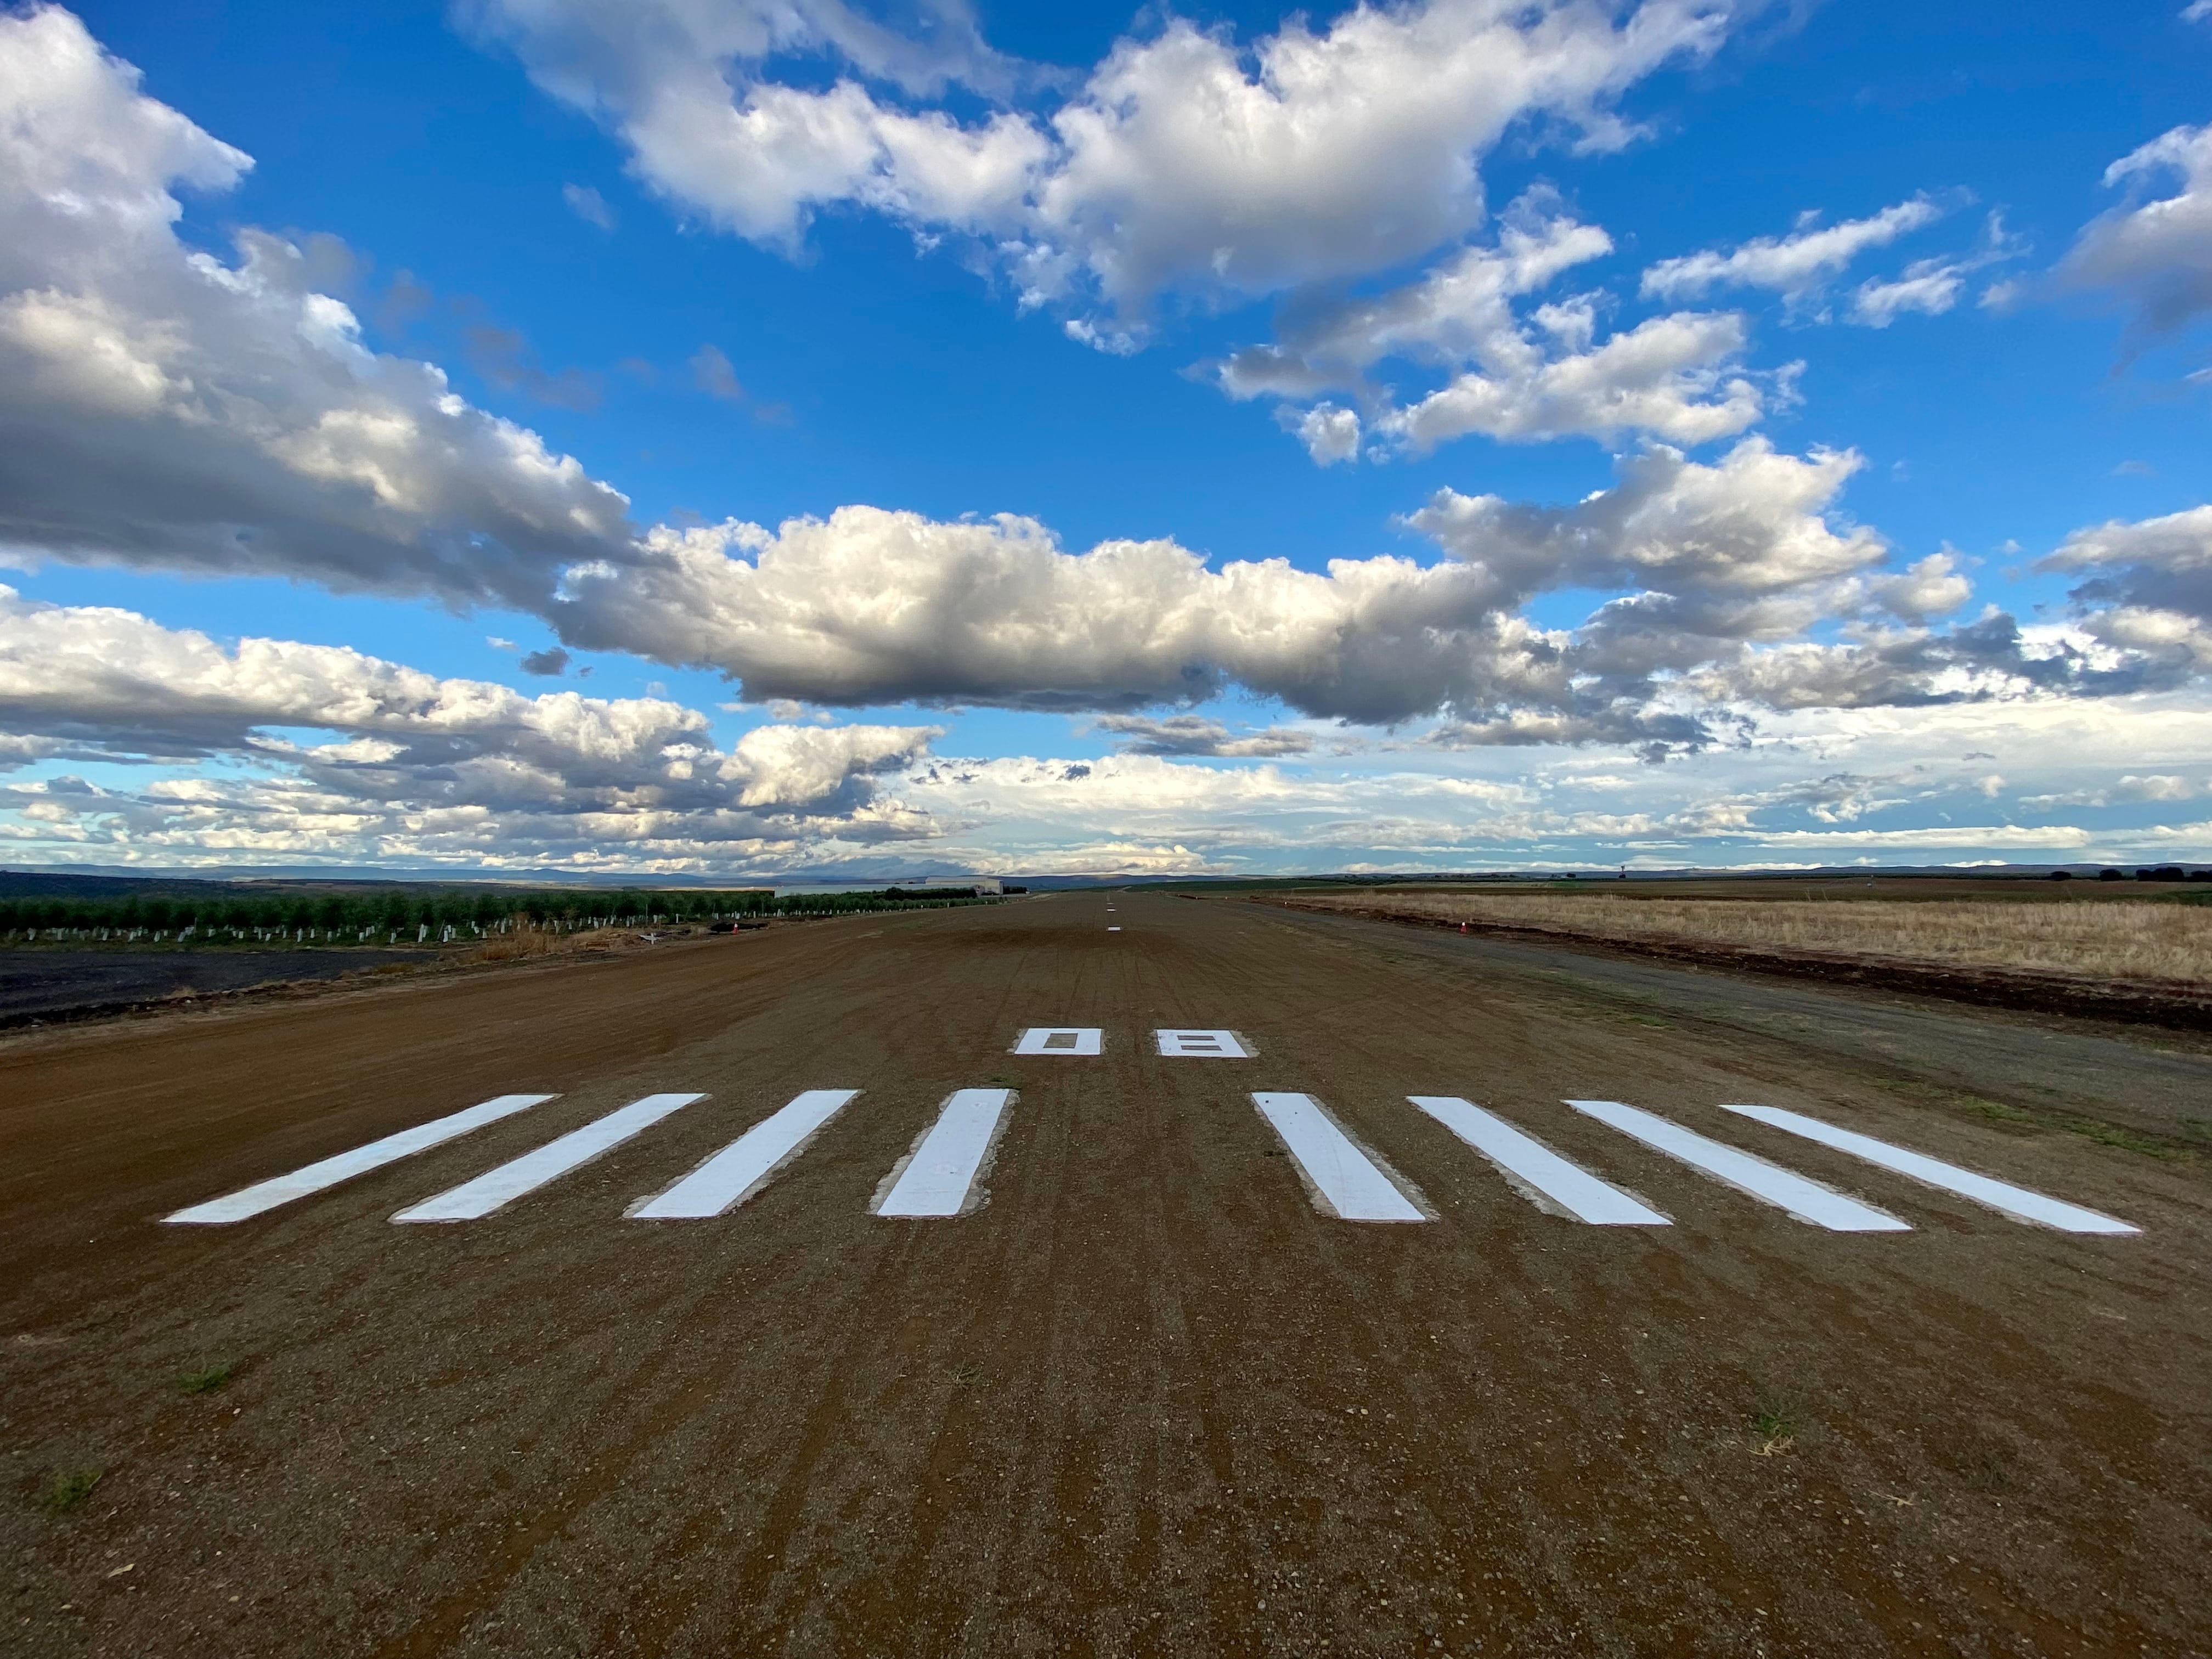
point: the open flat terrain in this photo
(2098, 950)
(45, 982)
(1142, 1387)
(2127, 938)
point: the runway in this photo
(990, 1282)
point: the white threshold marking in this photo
(1529, 1163)
(472, 1199)
(2015, 1201)
(1346, 1180)
(1218, 1045)
(1113, 930)
(1804, 1199)
(282, 1190)
(1059, 1040)
(747, 1164)
(938, 1178)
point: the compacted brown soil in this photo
(1146, 1399)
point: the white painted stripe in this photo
(747, 1164)
(1527, 1160)
(282, 1190)
(1346, 1178)
(937, 1175)
(510, 1180)
(1059, 1040)
(1804, 1199)
(1203, 1044)
(2015, 1201)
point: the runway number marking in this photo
(2015, 1201)
(939, 1174)
(489, 1191)
(1346, 1179)
(316, 1177)
(1806, 1200)
(1527, 1161)
(1195, 1044)
(1059, 1040)
(747, 1164)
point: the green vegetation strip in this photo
(420, 917)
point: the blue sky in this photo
(1871, 341)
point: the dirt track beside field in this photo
(1146, 1399)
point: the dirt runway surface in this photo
(1149, 1398)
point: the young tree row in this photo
(397, 916)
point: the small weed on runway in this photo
(1775, 1422)
(67, 1489)
(206, 1379)
(2182, 1147)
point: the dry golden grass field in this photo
(2116, 939)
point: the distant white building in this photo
(981, 884)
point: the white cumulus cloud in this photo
(163, 407)
(1182, 163)
(2147, 585)
(1929, 287)
(1454, 313)
(2153, 253)
(1194, 734)
(160, 405)
(1668, 376)
(1330, 434)
(1675, 377)
(513, 776)
(1794, 266)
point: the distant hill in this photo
(113, 881)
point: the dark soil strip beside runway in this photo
(39, 984)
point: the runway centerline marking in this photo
(1347, 1180)
(1527, 1162)
(2015, 1201)
(489, 1191)
(747, 1164)
(1059, 1040)
(938, 1176)
(329, 1171)
(1192, 1043)
(1801, 1197)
